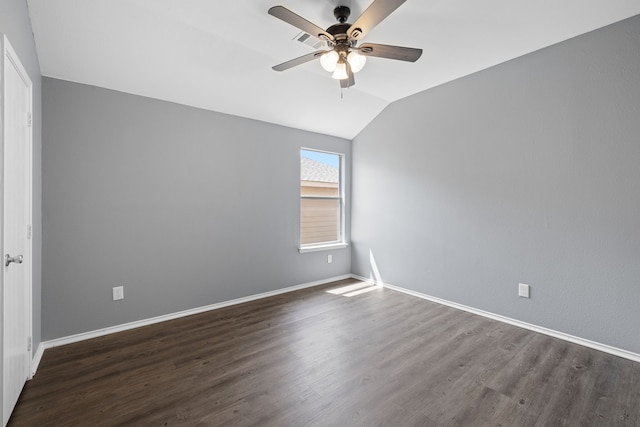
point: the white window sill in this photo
(325, 247)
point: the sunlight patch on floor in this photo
(349, 288)
(353, 290)
(362, 291)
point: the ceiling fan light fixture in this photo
(356, 61)
(340, 72)
(329, 61)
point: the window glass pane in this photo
(320, 202)
(319, 173)
(319, 220)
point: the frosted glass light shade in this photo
(341, 71)
(356, 61)
(329, 61)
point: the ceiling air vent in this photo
(305, 38)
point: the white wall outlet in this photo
(329, 259)
(118, 293)
(523, 290)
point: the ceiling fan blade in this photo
(300, 60)
(391, 52)
(298, 21)
(375, 13)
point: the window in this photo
(321, 200)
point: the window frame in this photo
(341, 241)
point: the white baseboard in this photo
(37, 357)
(550, 332)
(139, 323)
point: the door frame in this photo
(9, 55)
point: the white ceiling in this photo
(218, 56)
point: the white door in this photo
(16, 229)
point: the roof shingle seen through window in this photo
(312, 170)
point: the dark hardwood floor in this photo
(315, 358)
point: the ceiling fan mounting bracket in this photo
(342, 13)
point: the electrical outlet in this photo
(329, 259)
(118, 293)
(523, 290)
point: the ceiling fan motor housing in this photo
(339, 31)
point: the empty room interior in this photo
(218, 227)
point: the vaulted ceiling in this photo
(218, 55)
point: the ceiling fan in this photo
(344, 57)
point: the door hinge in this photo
(29, 231)
(29, 343)
(29, 119)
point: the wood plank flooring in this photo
(315, 358)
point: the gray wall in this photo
(526, 172)
(184, 207)
(16, 25)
